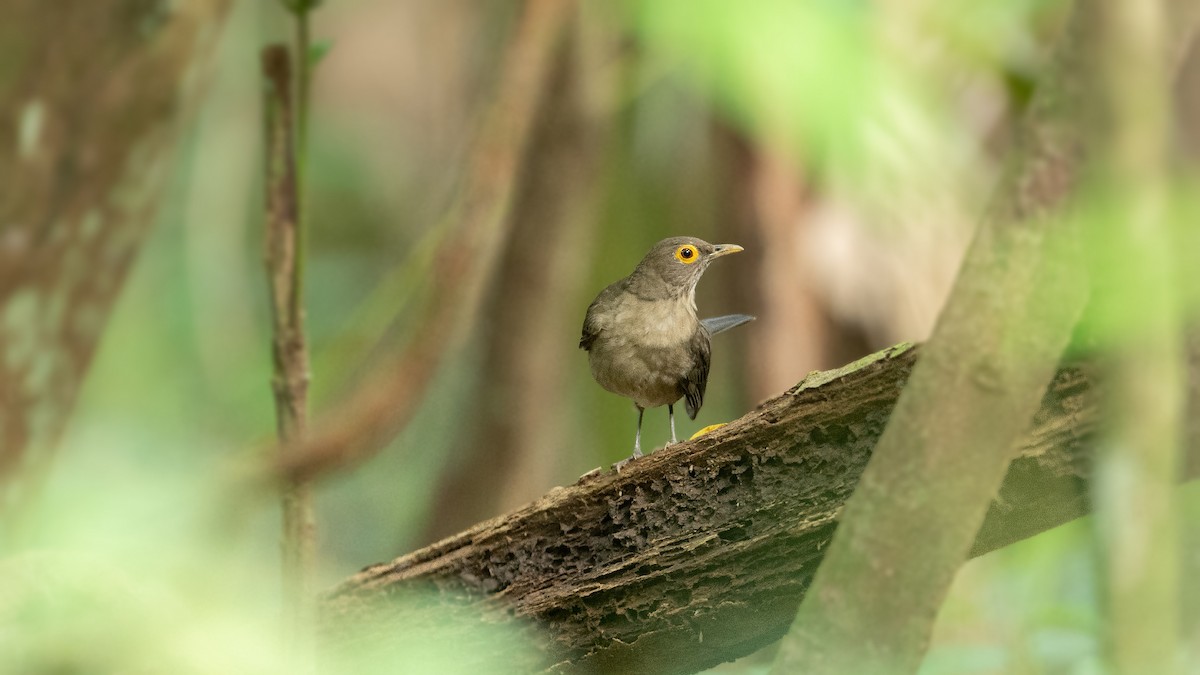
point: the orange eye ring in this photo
(687, 254)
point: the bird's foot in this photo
(637, 452)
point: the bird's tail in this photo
(720, 324)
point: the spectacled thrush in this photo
(643, 337)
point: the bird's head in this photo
(679, 262)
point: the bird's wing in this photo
(693, 384)
(720, 324)
(594, 322)
(591, 330)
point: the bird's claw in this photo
(621, 464)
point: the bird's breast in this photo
(655, 323)
(645, 349)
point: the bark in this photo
(284, 257)
(695, 555)
(95, 92)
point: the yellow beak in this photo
(725, 249)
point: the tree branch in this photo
(509, 449)
(699, 553)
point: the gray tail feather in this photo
(720, 324)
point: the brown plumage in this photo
(643, 336)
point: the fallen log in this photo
(694, 555)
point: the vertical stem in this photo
(1137, 319)
(303, 62)
(289, 351)
(949, 440)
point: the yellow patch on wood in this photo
(705, 430)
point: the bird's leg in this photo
(671, 414)
(637, 440)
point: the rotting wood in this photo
(697, 554)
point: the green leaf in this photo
(318, 50)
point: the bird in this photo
(644, 338)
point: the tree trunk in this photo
(95, 92)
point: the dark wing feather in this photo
(591, 330)
(693, 384)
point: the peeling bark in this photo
(697, 554)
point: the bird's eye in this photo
(686, 254)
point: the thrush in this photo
(643, 337)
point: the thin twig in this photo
(303, 63)
(290, 354)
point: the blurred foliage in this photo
(802, 72)
(141, 557)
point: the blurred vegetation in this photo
(892, 119)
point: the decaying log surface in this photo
(692, 556)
